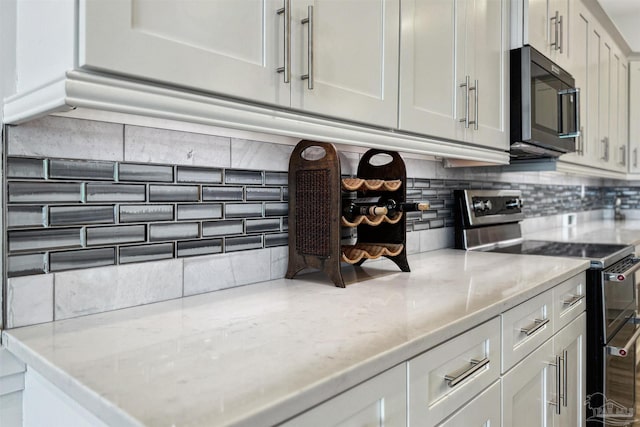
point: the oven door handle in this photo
(624, 351)
(621, 277)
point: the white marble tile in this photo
(67, 138)
(438, 238)
(151, 145)
(279, 262)
(248, 154)
(101, 289)
(418, 168)
(348, 162)
(29, 300)
(413, 242)
(210, 273)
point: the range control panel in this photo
(482, 207)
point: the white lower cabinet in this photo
(482, 411)
(380, 401)
(570, 346)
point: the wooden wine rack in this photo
(315, 211)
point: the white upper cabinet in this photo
(548, 28)
(453, 70)
(634, 111)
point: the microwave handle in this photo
(576, 110)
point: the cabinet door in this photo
(538, 30)
(482, 411)
(634, 125)
(428, 83)
(548, 29)
(623, 114)
(594, 143)
(379, 401)
(570, 345)
(485, 52)
(353, 55)
(604, 101)
(528, 388)
(223, 46)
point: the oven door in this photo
(618, 295)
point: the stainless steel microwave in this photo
(545, 106)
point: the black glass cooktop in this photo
(596, 252)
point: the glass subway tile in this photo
(222, 228)
(201, 175)
(276, 178)
(24, 265)
(414, 193)
(285, 223)
(412, 216)
(233, 244)
(81, 169)
(262, 225)
(436, 223)
(68, 215)
(276, 209)
(49, 238)
(26, 216)
(18, 167)
(200, 211)
(71, 260)
(43, 192)
(436, 204)
(116, 235)
(174, 193)
(145, 173)
(199, 247)
(180, 231)
(233, 176)
(429, 193)
(222, 193)
(285, 193)
(243, 210)
(129, 254)
(263, 193)
(429, 215)
(272, 240)
(417, 226)
(421, 183)
(144, 213)
(116, 192)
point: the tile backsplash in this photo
(102, 216)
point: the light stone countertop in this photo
(258, 354)
(601, 231)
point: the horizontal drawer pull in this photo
(538, 324)
(572, 301)
(476, 365)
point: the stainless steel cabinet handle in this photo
(633, 265)
(572, 301)
(286, 11)
(605, 149)
(475, 104)
(476, 365)
(537, 325)
(466, 86)
(555, 30)
(624, 351)
(556, 403)
(635, 157)
(565, 377)
(623, 155)
(309, 20)
(608, 146)
(559, 41)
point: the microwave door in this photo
(569, 113)
(545, 107)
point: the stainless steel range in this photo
(489, 220)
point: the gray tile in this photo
(243, 210)
(145, 173)
(200, 211)
(233, 244)
(285, 223)
(263, 193)
(222, 228)
(24, 240)
(116, 192)
(260, 155)
(81, 169)
(174, 193)
(276, 209)
(29, 300)
(437, 223)
(63, 137)
(116, 235)
(417, 226)
(32, 192)
(222, 193)
(26, 216)
(144, 213)
(200, 175)
(71, 260)
(285, 194)
(18, 167)
(199, 247)
(276, 178)
(69, 215)
(23, 265)
(151, 145)
(180, 231)
(143, 253)
(272, 240)
(234, 176)
(263, 225)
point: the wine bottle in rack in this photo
(363, 206)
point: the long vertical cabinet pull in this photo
(466, 85)
(475, 106)
(635, 157)
(565, 377)
(555, 19)
(623, 155)
(309, 20)
(286, 11)
(556, 403)
(559, 40)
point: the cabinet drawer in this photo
(568, 301)
(382, 400)
(445, 377)
(482, 411)
(525, 327)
